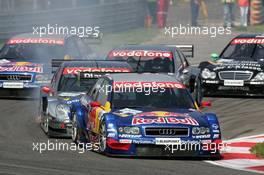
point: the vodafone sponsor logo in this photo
(76, 70)
(165, 120)
(21, 69)
(139, 53)
(57, 41)
(148, 84)
(248, 41)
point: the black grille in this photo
(15, 77)
(235, 75)
(158, 150)
(166, 131)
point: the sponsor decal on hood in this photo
(126, 112)
(165, 120)
(164, 117)
(21, 67)
(250, 65)
(161, 114)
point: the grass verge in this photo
(258, 149)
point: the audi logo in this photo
(13, 77)
(167, 131)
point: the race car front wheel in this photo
(102, 137)
(46, 126)
(74, 134)
(77, 135)
(198, 95)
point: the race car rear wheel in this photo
(102, 137)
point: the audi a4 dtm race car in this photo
(238, 70)
(142, 115)
(162, 59)
(66, 86)
(25, 59)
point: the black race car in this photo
(169, 59)
(238, 70)
(66, 87)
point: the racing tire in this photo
(198, 94)
(216, 157)
(74, 134)
(102, 137)
(46, 126)
(77, 135)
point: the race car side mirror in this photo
(214, 56)
(205, 104)
(46, 89)
(95, 104)
(185, 71)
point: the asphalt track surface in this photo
(19, 130)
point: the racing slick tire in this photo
(102, 138)
(77, 135)
(45, 126)
(44, 121)
(197, 93)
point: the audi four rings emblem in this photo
(13, 77)
(167, 131)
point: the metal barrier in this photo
(257, 12)
(110, 17)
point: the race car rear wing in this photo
(187, 49)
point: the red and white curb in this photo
(237, 155)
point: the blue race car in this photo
(25, 62)
(145, 115)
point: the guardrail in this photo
(110, 17)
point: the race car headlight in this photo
(206, 74)
(259, 77)
(200, 130)
(129, 130)
(62, 112)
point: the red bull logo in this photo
(165, 120)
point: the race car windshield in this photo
(164, 98)
(70, 83)
(253, 52)
(154, 64)
(37, 53)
